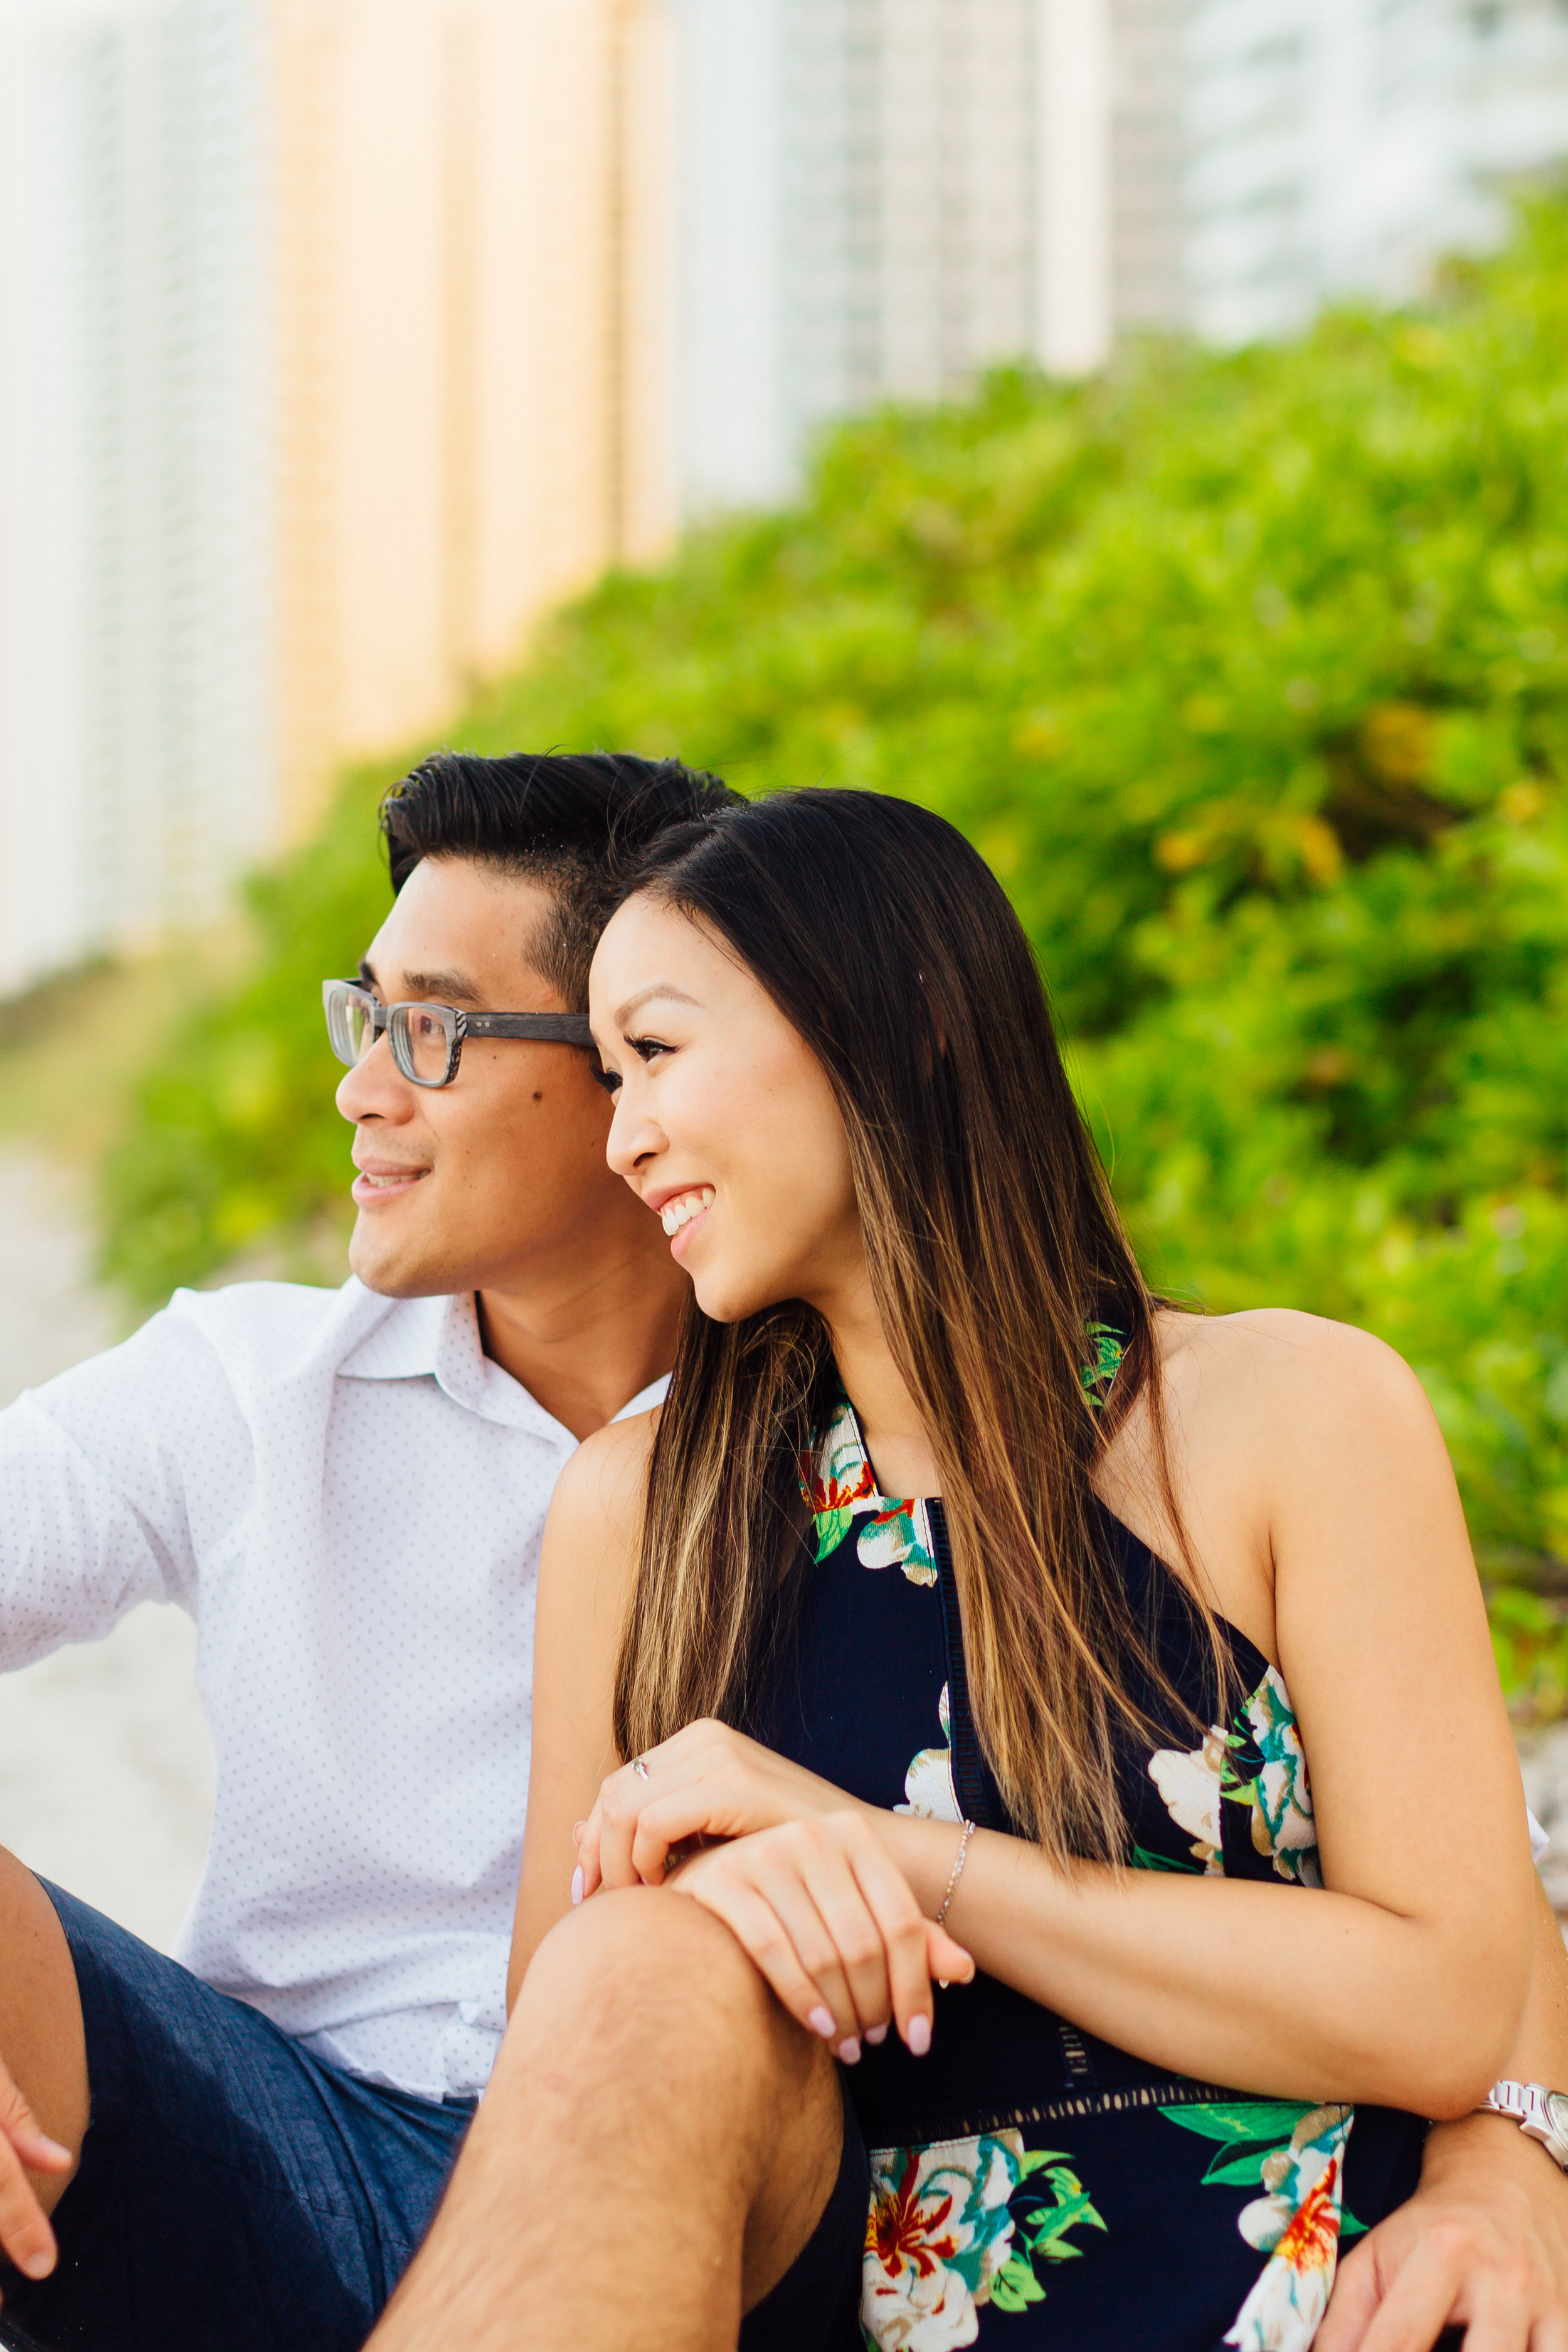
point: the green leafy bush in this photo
(1249, 675)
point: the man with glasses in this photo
(347, 1489)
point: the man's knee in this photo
(43, 2041)
(643, 1979)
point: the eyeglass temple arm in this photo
(547, 1028)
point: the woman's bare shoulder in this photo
(1289, 1370)
(601, 1489)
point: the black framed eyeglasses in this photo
(427, 1040)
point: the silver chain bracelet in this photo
(957, 1871)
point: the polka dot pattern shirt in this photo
(347, 1496)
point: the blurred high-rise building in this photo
(471, 224)
(135, 712)
(332, 335)
(876, 199)
(340, 338)
(1331, 148)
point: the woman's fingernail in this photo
(919, 2034)
(52, 2147)
(848, 2049)
(821, 2021)
(876, 2035)
(577, 1830)
(39, 2265)
(577, 1883)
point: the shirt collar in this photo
(440, 1339)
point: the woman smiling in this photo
(963, 1590)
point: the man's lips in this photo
(385, 1181)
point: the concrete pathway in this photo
(106, 1773)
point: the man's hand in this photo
(24, 2233)
(1482, 2246)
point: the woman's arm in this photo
(586, 1568)
(857, 1952)
(1483, 2243)
(1315, 1477)
(1405, 1981)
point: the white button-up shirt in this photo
(347, 1496)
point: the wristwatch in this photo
(1543, 2114)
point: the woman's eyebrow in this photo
(623, 1012)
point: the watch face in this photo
(1557, 2114)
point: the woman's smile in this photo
(681, 1213)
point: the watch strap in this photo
(1541, 2113)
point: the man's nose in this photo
(374, 1088)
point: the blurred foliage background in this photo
(1249, 675)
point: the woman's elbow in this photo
(1470, 2032)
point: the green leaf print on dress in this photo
(1260, 1762)
(960, 2224)
(1105, 1356)
(835, 1479)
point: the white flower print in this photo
(898, 1537)
(939, 2232)
(1297, 2224)
(929, 1789)
(1282, 1823)
(1189, 1782)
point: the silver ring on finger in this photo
(639, 1766)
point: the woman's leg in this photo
(655, 2148)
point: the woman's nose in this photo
(634, 1138)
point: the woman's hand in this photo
(709, 1781)
(832, 1924)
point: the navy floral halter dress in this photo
(1031, 2185)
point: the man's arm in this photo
(96, 1474)
(1483, 2244)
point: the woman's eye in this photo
(609, 1079)
(644, 1048)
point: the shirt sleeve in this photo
(115, 1479)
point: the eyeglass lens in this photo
(422, 1035)
(354, 1020)
(425, 1040)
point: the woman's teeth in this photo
(687, 1205)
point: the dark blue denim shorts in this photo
(238, 2195)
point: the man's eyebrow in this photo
(441, 988)
(644, 995)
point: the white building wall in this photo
(859, 217)
(735, 430)
(1338, 147)
(134, 765)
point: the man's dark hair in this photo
(569, 821)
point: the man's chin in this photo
(394, 1268)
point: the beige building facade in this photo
(335, 347)
(473, 365)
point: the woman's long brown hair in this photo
(992, 1244)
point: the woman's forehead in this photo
(652, 952)
(646, 940)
